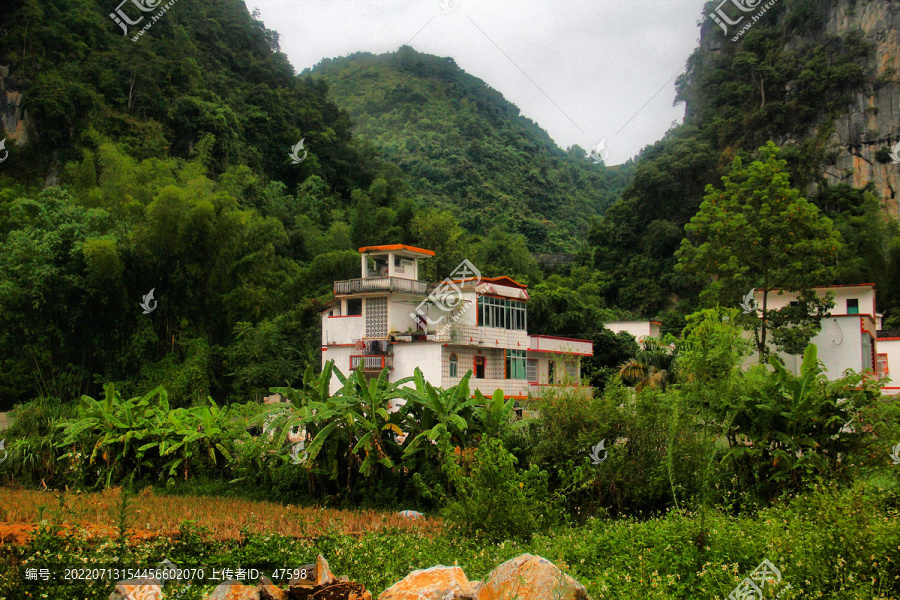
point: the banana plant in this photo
(440, 415)
(373, 427)
(494, 414)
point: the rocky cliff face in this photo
(13, 115)
(859, 139)
(873, 123)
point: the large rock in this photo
(529, 577)
(317, 577)
(234, 590)
(270, 591)
(436, 583)
(137, 589)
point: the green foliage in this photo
(759, 233)
(654, 366)
(499, 502)
(115, 439)
(467, 150)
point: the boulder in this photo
(234, 590)
(436, 583)
(317, 577)
(270, 591)
(137, 589)
(529, 577)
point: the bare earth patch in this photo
(154, 516)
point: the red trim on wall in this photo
(344, 316)
(560, 352)
(890, 339)
(556, 337)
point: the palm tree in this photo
(652, 367)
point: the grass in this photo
(841, 543)
(156, 515)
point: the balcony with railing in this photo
(380, 284)
(371, 362)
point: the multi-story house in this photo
(388, 318)
(851, 336)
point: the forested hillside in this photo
(798, 78)
(163, 164)
(468, 150)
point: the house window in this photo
(531, 369)
(453, 365)
(354, 306)
(881, 365)
(572, 371)
(479, 367)
(551, 371)
(852, 306)
(502, 313)
(515, 364)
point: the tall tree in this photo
(759, 233)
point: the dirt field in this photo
(153, 516)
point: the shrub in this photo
(499, 502)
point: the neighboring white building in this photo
(372, 323)
(639, 329)
(849, 335)
(887, 359)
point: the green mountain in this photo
(468, 150)
(820, 79)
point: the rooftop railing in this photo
(380, 284)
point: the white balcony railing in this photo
(380, 284)
(371, 362)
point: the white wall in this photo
(865, 295)
(839, 345)
(639, 329)
(342, 330)
(891, 347)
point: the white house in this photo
(887, 359)
(388, 318)
(641, 330)
(849, 336)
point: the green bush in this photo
(498, 501)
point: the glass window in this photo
(852, 306)
(881, 365)
(354, 306)
(532, 369)
(502, 312)
(515, 364)
(453, 365)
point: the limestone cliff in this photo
(873, 123)
(853, 145)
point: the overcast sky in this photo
(583, 70)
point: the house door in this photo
(479, 367)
